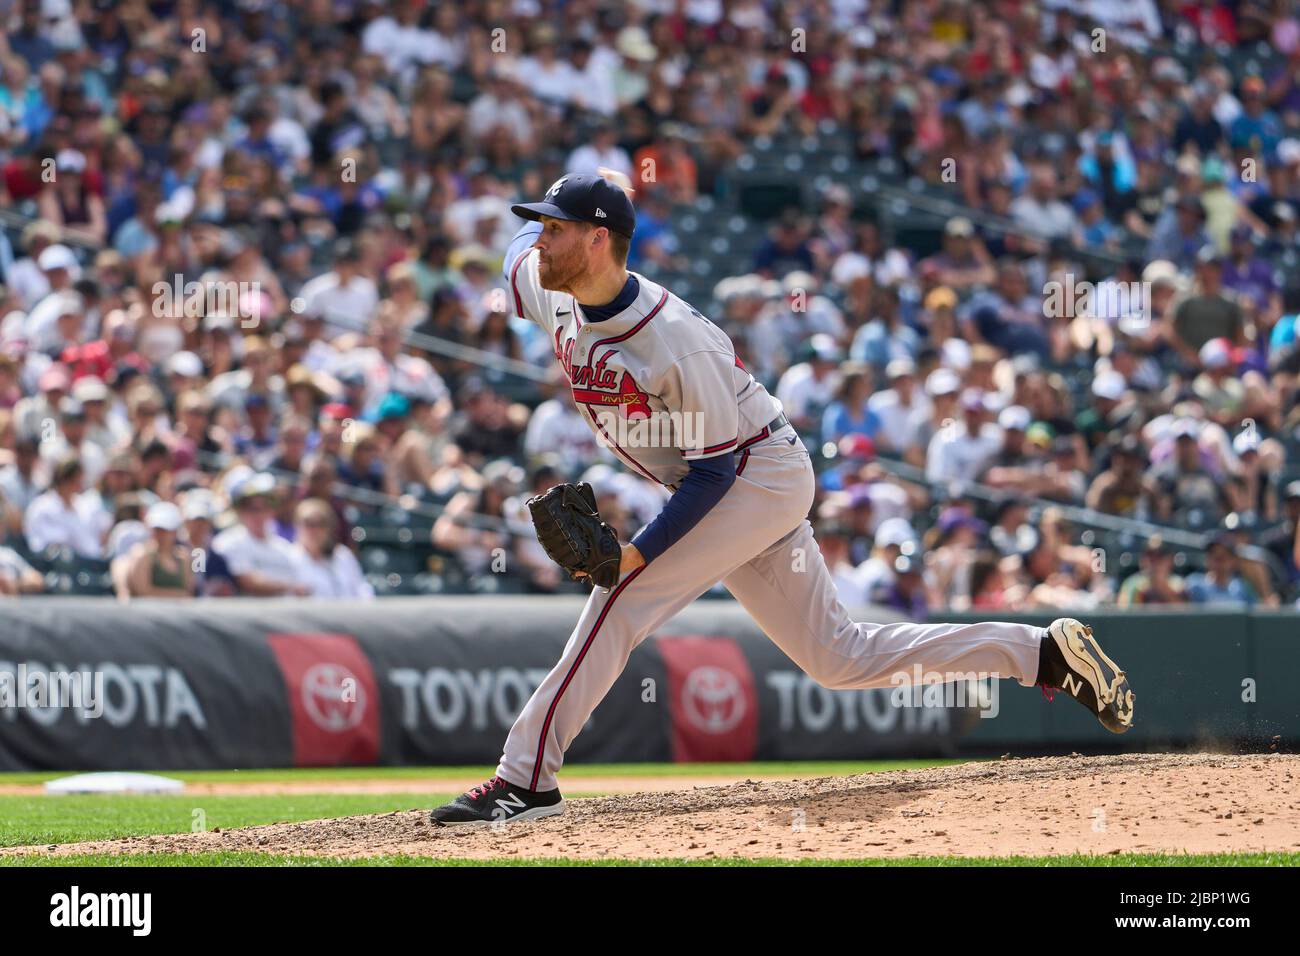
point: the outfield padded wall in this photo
(1206, 679)
(417, 681)
(440, 681)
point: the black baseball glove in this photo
(570, 529)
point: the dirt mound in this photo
(1058, 805)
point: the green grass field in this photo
(809, 768)
(36, 819)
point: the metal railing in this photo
(1079, 515)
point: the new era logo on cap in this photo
(583, 197)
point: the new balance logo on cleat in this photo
(1073, 661)
(497, 802)
(508, 807)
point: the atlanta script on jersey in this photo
(659, 383)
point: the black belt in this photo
(771, 428)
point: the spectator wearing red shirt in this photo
(1214, 22)
(821, 100)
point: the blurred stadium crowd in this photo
(871, 198)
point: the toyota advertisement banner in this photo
(87, 684)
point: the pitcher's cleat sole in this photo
(1083, 670)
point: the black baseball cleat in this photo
(498, 800)
(1073, 661)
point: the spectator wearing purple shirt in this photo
(1251, 276)
(906, 592)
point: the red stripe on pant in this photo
(546, 725)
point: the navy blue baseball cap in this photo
(584, 197)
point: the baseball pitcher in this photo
(663, 388)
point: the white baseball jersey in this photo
(659, 383)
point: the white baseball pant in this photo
(758, 542)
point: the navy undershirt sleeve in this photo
(701, 489)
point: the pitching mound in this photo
(1148, 803)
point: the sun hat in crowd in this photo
(260, 485)
(1109, 385)
(942, 381)
(57, 256)
(894, 531)
(1247, 441)
(163, 516)
(200, 505)
(900, 367)
(90, 388)
(1014, 418)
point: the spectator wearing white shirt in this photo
(31, 413)
(961, 450)
(893, 538)
(480, 217)
(17, 576)
(602, 151)
(543, 574)
(262, 563)
(548, 77)
(22, 479)
(500, 105)
(325, 567)
(343, 297)
(807, 388)
(25, 278)
(557, 430)
(637, 53)
(903, 409)
(255, 376)
(833, 538)
(104, 426)
(594, 69)
(73, 439)
(388, 369)
(56, 322)
(61, 517)
(802, 308)
(404, 45)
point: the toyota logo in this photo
(323, 687)
(713, 700)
